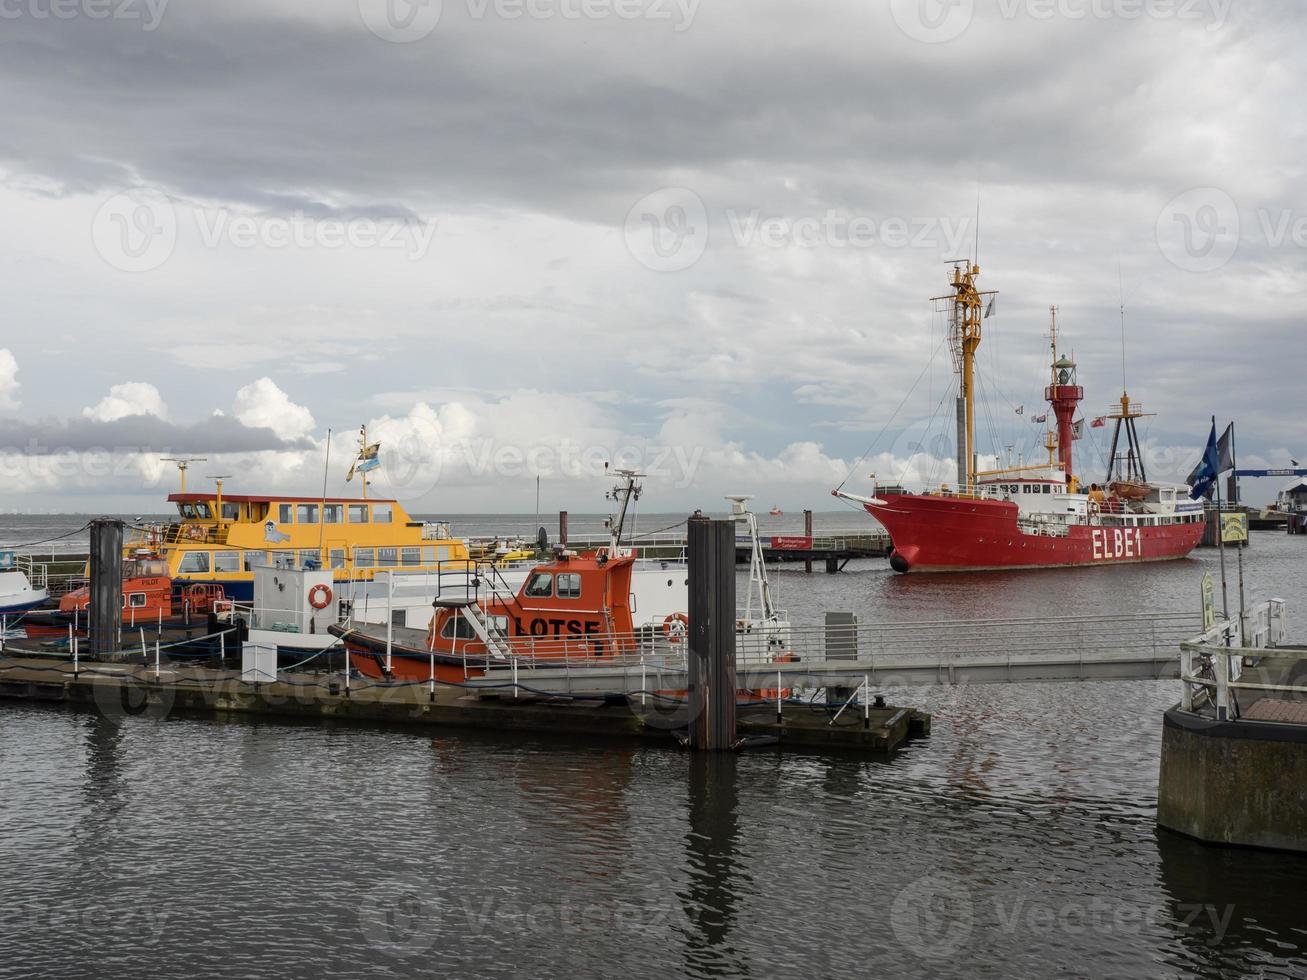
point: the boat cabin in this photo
(577, 605)
(222, 538)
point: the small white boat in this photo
(17, 594)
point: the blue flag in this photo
(1204, 474)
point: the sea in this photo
(1017, 840)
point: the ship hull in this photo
(951, 534)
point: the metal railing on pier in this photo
(1241, 655)
(892, 654)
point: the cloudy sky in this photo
(520, 237)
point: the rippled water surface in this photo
(1018, 840)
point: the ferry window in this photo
(307, 513)
(253, 558)
(282, 559)
(411, 556)
(337, 557)
(364, 557)
(381, 514)
(231, 512)
(457, 628)
(136, 600)
(399, 617)
(387, 556)
(310, 558)
(428, 555)
(194, 561)
(285, 514)
(358, 513)
(202, 510)
(226, 561)
(541, 586)
(569, 586)
(333, 514)
(186, 510)
(1048, 488)
(442, 552)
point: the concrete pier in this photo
(1234, 750)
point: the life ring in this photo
(320, 596)
(675, 626)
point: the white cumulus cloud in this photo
(127, 399)
(263, 405)
(8, 380)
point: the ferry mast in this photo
(963, 306)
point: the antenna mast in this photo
(183, 462)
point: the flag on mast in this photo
(1039, 419)
(1225, 449)
(1021, 409)
(1077, 428)
(1203, 477)
(368, 459)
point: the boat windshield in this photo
(144, 568)
(540, 586)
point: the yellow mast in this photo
(965, 315)
(363, 446)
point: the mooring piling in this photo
(105, 616)
(712, 687)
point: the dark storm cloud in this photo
(138, 433)
(253, 110)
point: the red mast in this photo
(1064, 395)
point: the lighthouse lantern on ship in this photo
(1064, 395)
(1032, 516)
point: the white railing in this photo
(1151, 636)
(1213, 664)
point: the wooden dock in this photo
(121, 691)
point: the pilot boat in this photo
(578, 608)
(149, 597)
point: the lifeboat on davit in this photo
(577, 607)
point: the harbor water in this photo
(1018, 840)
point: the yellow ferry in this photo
(220, 539)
